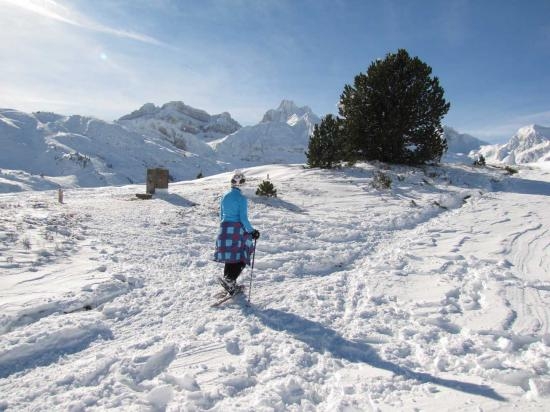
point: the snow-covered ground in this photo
(433, 295)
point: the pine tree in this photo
(267, 189)
(325, 144)
(393, 112)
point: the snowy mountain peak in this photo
(461, 142)
(536, 129)
(289, 112)
(288, 106)
(176, 108)
(146, 109)
(529, 144)
(183, 126)
(191, 119)
(281, 137)
(532, 134)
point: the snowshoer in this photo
(234, 245)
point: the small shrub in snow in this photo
(266, 189)
(381, 180)
(480, 161)
(11, 237)
(26, 243)
(76, 157)
(163, 130)
(510, 170)
(436, 203)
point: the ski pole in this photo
(251, 270)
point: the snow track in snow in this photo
(362, 298)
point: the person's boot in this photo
(229, 285)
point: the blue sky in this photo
(106, 58)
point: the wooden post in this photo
(60, 195)
(156, 179)
(151, 179)
(161, 178)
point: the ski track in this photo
(341, 316)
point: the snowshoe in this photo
(230, 286)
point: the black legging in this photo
(233, 270)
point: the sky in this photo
(106, 58)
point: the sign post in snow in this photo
(156, 179)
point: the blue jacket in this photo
(234, 208)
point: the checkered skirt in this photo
(233, 244)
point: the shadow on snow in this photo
(322, 339)
(524, 186)
(278, 203)
(175, 199)
(31, 360)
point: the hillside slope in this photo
(76, 151)
(433, 295)
(459, 145)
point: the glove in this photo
(255, 234)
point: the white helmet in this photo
(237, 179)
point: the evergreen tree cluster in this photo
(325, 143)
(392, 114)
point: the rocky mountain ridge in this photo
(530, 144)
(46, 150)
